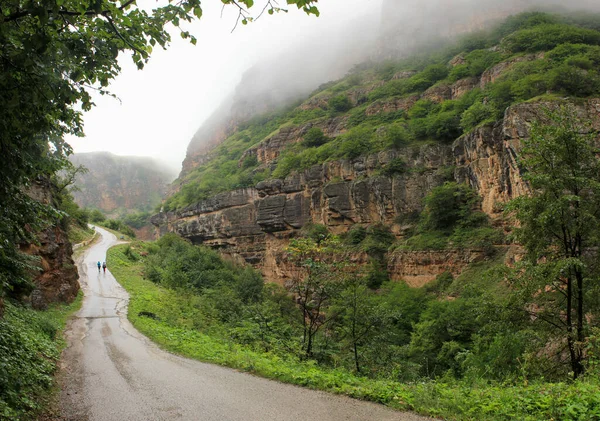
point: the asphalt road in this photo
(110, 372)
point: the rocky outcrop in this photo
(487, 157)
(57, 280)
(269, 150)
(491, 75)
(118, 183)
(255, 223)
(390, 105)
(438, 93)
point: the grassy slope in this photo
(30, 346)
(77, 234)
(454, 401)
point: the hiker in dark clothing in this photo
(104, 266)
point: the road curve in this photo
(110, 372)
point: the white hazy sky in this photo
(162, 106)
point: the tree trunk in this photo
(356, 357)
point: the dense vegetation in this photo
(546, 56)
(30, 343)
(472, 356)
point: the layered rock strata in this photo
(255, 224)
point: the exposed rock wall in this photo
(58, 279)
(255, 224)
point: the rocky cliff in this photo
(119, 184)
(367, 149)
(254, 224)
(57, 280)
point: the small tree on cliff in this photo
(559, 223)
(315, 284)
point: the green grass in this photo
(78, 234)
(31, 343)
(175, 331)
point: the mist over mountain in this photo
(395, 28)
(285, 77)
(120, 184)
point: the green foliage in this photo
(96, 216)
(137, 220)
(118, 225)
(31, 344)
(448, 205)
(476, 114)
(476, 62)
(316, 232)
(340, 103)
(559, 225)
(452, 216)
(356, 235)
(177, 264)
(314, 137)
(568, 68)
(545, 37)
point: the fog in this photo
(271, 61)
(161, 107)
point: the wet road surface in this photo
(113, 373)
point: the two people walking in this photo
(103, 266)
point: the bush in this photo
(314, 137)
(250, 161)
(356, 142)
(547, 36)
(340, 103)
(356, 235)
(448, 205)
(477, 114)
(397, 136)
(316, 232)
(396, 166)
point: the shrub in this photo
(356, 235)
(477, 114)
(316, 232)
(394, 167)
(340, 103)
(250, 161)
(378, 241)
(356, 142)
(314, 137)
(547, 36)
(397, 136)
(447, 205)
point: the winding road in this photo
(110, 372)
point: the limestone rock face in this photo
(269, 150)
(255, 224)
(418, 268)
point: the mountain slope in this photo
(368, 148)
(116, 184)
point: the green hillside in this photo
(436, 96)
